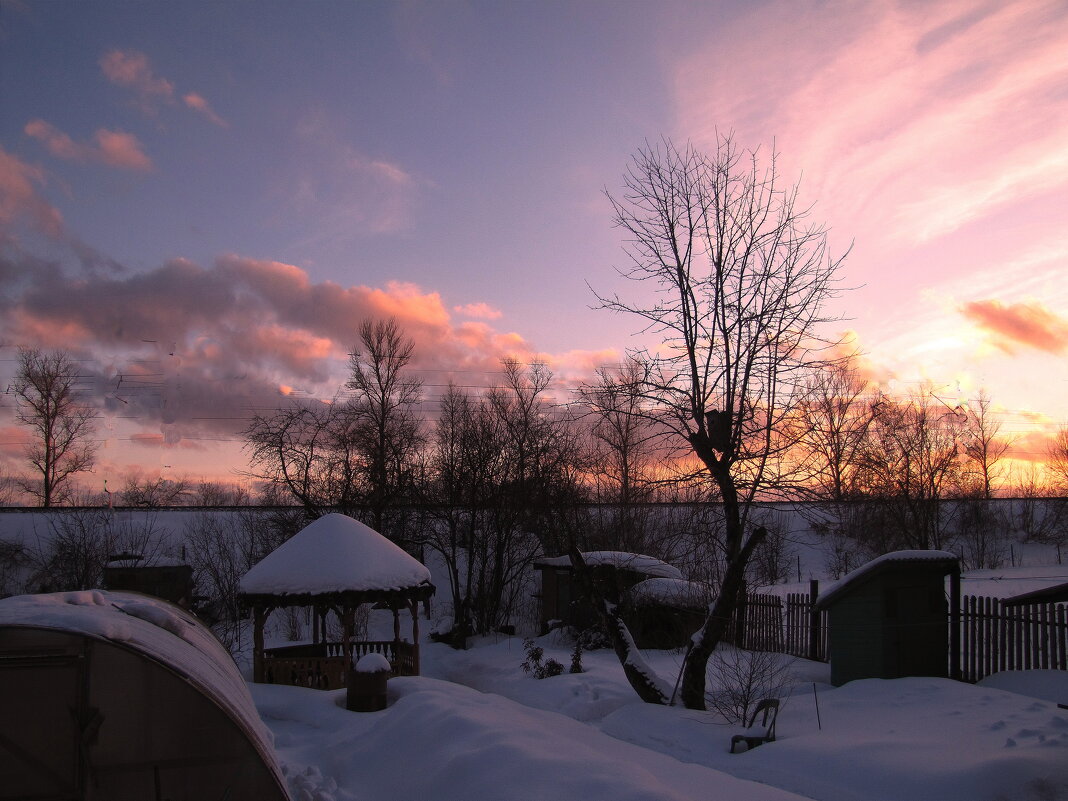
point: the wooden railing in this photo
(323, 665)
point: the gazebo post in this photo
(259, 617)
(348, 615)
(413, 605)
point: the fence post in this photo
(954, 624)
(740, 618)
(813, 621)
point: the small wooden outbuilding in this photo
(120, 696)
(335, 564)
(890, 618)
(562, 602)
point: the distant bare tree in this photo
(1057, 459)
(46, 392)
(833, 418)
(910, 464)
(387, 427)
(216, 493)
(153, 491)
(310, 450)
(983, 444)
(739, 279)
(624, 457)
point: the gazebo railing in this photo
(323, 665)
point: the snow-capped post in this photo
(649, 686)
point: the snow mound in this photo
(639, 563)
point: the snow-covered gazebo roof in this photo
(332, 557)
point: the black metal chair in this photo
(758, 733)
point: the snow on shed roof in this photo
(334, 554)
(639, 563)
(879, 563)
(669, 592)
(159, 630)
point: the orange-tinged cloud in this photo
(239, 335)
(198, 103)
(131, 69)
(479, 311)
(20, 200)
(1028, 324)
(113, 148)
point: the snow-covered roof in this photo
(879, 563)
(161, 631)
(335, 554)
(639, 563)
(669, 592)
(1058, 593)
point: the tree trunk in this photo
(645, 682)
(692, 691)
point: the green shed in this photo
(890, 618)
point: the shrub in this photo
(533, 663)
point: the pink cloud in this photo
(480, 311)
(198, 103)
(20, 200)
(909, 120)
(214, 342)
(130, 69)
(113, 148)
(1028, 324)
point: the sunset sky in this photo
(201, 200)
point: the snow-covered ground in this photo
(475, 727)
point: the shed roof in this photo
(1058, 593)
(639, 563)
(670, 592)
(335, 554)
(943, 559)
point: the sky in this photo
(201, 201)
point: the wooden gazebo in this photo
(333, 565)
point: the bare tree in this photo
(141, 490)
(388, 430)
(833, 421)
(983, 444)
(309, 449)
(910, 464)
(739, 279)
(1057, 459)
(624, 457)
(48, 403)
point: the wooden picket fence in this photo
(995, 637)
(790, 626)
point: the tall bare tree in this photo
(833, 422)
(62, 424)
(388, 429)
(911, 463)
(739, 281)
(983, 444)
(1057, 459)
